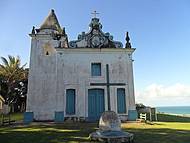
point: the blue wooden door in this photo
(70, 101)
(121, 100)
(96, 104)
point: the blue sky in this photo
(159, 30)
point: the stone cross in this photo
(95, 13)
(108, 84)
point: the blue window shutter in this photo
(121, 100)
(96, 69)
(70, 101)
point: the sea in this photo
(184, 110)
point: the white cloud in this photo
(160, 95)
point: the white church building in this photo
(78, 79)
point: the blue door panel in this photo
(95, 103)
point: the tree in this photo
(140, 106)
(12, 73)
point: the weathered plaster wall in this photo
(50, 76)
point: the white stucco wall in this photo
(50, 76)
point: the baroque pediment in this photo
(95, 38)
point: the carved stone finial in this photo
(33, 30)
(95, 24)
(63, 31)
(127, 37)
(128, 44)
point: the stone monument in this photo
(110, 130)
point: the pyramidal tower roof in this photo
(51, 22)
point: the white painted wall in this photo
(51, 75)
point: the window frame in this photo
(93, 73)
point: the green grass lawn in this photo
(172, 118)
(159, 132)
(13, 116)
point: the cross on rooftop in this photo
(95, 13)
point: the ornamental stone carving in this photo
(95, 38)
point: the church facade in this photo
(81, 78)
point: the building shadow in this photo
(79, 132)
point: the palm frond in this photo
(5, 62)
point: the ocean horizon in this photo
(174, 109)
